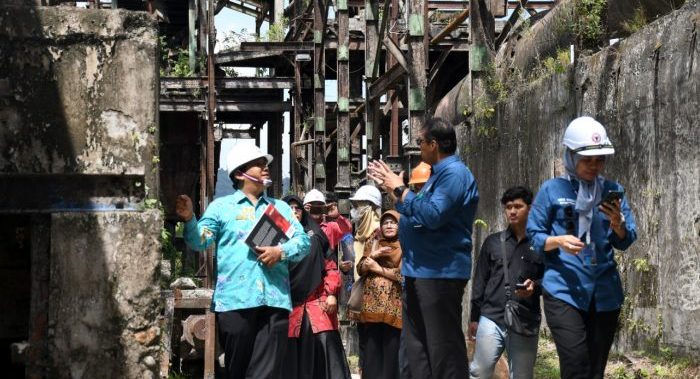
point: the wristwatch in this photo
(398, 191)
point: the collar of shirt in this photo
(442, 164)
(239, 196)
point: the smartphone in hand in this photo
(611, 197)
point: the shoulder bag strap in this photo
(505, 264)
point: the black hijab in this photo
(306, 275)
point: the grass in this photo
(547, 364)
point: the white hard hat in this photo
(314, 196)
(241, 154)
(586, 136)
(368, 193)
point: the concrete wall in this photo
(646, 91)
(104, 295)
(78, 96)
(79, 140)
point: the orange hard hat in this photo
(420, 174)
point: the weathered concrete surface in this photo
(78, 91)
(646, 91)
(104, 295)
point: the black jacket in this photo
(488, 286)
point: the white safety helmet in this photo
(241, 154)
(586, 136)
(368, 193)
(314, 196)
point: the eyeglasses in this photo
(420, 140)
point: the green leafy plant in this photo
(278, 30)
(589, 22)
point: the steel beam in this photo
(170, 105)
(171, 83)
(342, 141)
(386, 82)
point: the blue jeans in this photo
(491, 340)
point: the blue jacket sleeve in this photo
(630, 226)
(539, 221)
(200, 234)
(436, 210)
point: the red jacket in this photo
(336, 229)
(319, 319)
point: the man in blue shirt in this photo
(252, 297)
(436, 238)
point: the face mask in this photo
(357, 213)
(266, 182)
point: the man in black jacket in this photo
(489, 293)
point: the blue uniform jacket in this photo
(566, 276)
(435, 229)
(241, 280)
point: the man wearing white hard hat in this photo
(252, 294)
(575, 222)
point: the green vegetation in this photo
(547, 364)
(589, 22)
(278, 30)
(641, 264)
(638, 21)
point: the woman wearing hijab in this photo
(381, 301)
(315, 349)
(576, 220)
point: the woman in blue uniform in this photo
(576, 220)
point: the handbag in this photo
(518, 318)
(355, 301)
(357, 291)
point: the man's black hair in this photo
(331, 197)
(234, 181)
(517, 192)
(440, 131)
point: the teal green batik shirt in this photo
(241, 280)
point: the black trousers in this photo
(583, 339)
(432, 317)
(315, 356)
(382, 351)
(254, 341)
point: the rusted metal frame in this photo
(386, 82)
(192, 37)
(171, 83)
(210, 343)
(394, 127)
(37, 354)
(342, 141)
(298, 117)
(437, 65)
(417, 45)
(302, 18)
(296, 46)
(319, 130)
(380, 39)
(243, 9)
(396, 53)
(170, 105)
(275, 129)
(372, 57)
(510, 23)
(457, 22)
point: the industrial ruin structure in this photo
(95, 145)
